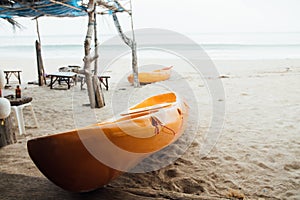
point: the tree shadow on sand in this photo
(16, 186)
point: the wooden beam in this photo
(64, 4)
(111, 7)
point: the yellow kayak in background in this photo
(88, 158)
(154, 76)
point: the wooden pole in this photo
(131, 43)
(133, 52)
(87, 50)
(40, 66)
(38, 29)
(87, 63)
(88, 59)
(98, 90)
(96, 45)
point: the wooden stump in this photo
(7, 132)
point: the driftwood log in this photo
(7, 132)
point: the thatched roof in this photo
(55, 8)
(37, 8)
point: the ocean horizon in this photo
(218, 46)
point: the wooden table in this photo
(16, 73)
(103, 80)
(62, 76)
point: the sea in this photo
(218, 46)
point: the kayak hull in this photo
(85, 159)
(152, 77)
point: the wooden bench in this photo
(103, 81)
(16, 73)
(67, 77)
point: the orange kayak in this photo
(88, 158)
(154, 76)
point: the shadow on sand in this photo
(15, 186)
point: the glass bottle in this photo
(18, 92)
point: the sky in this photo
(192, 16)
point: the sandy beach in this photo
(255, 157)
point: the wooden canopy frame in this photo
(69, 8)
